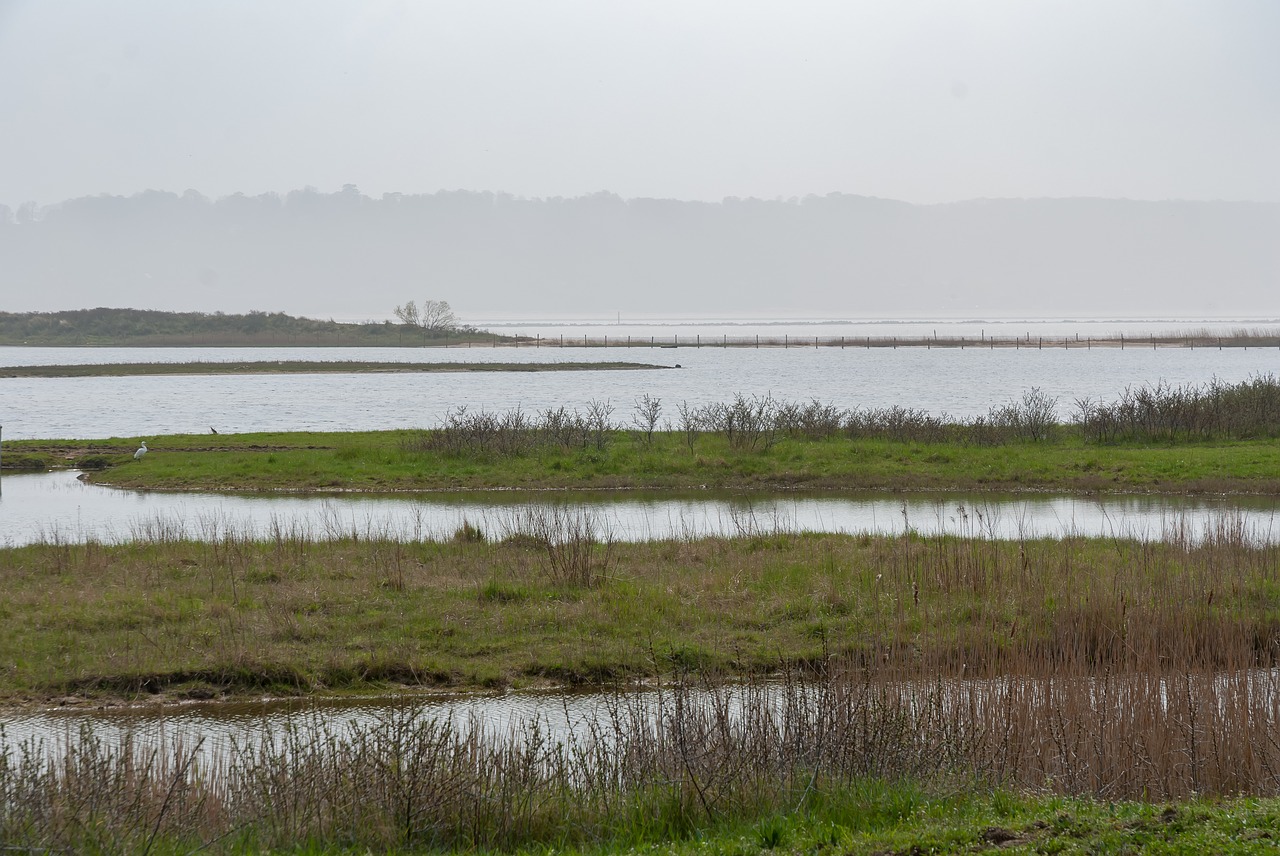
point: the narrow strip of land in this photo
(546, 597)
(303, 367)
(405, 460)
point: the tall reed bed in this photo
(659, 763)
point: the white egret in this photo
(142, 451)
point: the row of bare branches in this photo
(1162, 412)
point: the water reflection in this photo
(58, 507)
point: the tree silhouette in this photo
(433, 316)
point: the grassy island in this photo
(389, 461)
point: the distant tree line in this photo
(104, 326)
(595, 255)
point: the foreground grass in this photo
(871, 817)
(895, 820)
(301, 367)
(293, 615)
(395, 461)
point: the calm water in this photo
(59, 507)
(957, 382)
(216, 728)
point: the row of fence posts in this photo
(892, 342)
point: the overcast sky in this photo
(925, 102)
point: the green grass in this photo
(388, 461)
(869, 817)
(901, 819)
(295, 616)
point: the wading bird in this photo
(142, 451)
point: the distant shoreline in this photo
(302, 367)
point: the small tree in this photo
(648, 411)
(433, 316)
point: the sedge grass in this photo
(558, 601)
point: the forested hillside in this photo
(345, 254)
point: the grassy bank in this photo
(400, 460)
(555, 601)
(301, 367)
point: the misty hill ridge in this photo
(346, 253)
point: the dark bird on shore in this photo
(142, 451)
(213, 430)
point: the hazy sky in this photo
(922, 101)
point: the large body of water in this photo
(956, 382)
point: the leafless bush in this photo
(646, 415)
(577, 547)
(748, 422)
(690, 423)
(897, 423)
(599, 422)
(813, 420)
(1163, 412)
(514, 433)
(1032, 418)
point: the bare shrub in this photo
(646, 415)
(1162, 412)
(578, 549)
